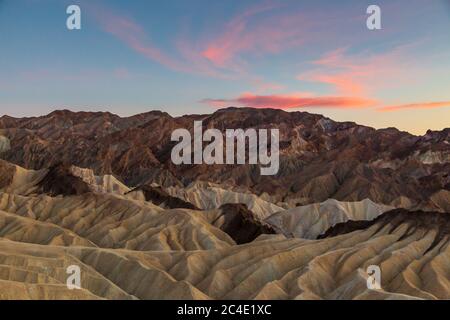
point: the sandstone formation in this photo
(99, 191)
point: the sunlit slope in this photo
(412, 264)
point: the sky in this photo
(196, 56)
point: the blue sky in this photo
(196, 56)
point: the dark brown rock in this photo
(240, 223)
(7, 172)
(60, 181)
(438, 221)
(161, 198)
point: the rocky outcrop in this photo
(158, 196)
(314, 219)
(209, 196)
(7, 172)
(240, 223)
(60, 181)
(4, 144)
(436, 222)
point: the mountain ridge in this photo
(319, 158)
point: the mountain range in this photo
(100, 191)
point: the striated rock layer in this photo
(133, 249)
(414, 264)
(314, 219)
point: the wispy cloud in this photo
(290, 101)
(217, 51)
(257, 32)
(133, 35)
(228, 51)
(185, 56)
(361, 74)
(422, 105)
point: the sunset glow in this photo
(194, 57)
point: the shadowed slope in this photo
(60, 181)
(160, 197)
(240, 223)
(438, 222)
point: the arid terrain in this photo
(100, 191)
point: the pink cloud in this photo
(291, 101)
(423, 105)
(361, 74)
(252, 31)
(185, 58)
(198, 64)
(262, 30)
(217, 57)
(131, 33)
